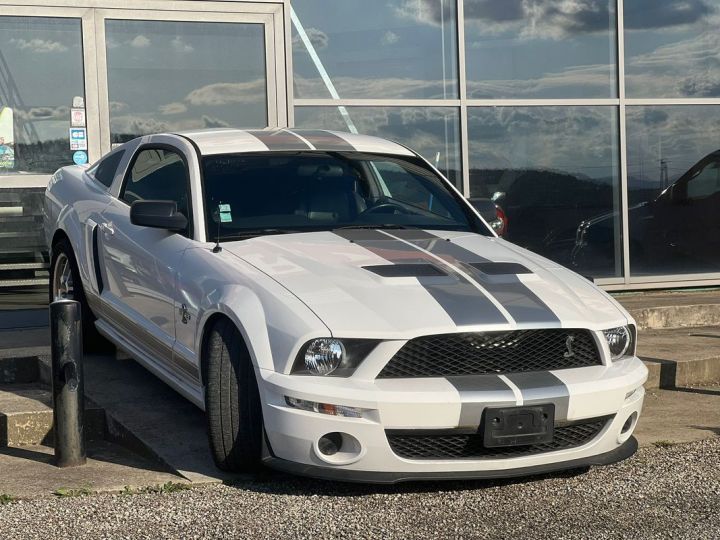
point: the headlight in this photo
(332, 356)
(323, 356)
(619, 341)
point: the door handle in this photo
(107, 228)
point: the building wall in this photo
(592, 123)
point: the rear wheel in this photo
(65, 283)
(232, 401)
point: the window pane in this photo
(376, 48)
(554, 171)
(518, 49)
(37, 54)
(107, 168)
(672, 48)
(158, 174)
(433, 132)
(674, 189)
(165, 75)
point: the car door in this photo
(140, 263)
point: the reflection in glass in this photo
(166, 75)
(674, 189)
(433, 132)
(672, 48)
(35, 54)
(552, 170)
(376, 48)
(518, 49)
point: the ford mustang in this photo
(339, 310)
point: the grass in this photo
(663, 444)
(72, 492)
(6, 499)
(167, 487)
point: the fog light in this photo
(325, 408)
(627, 426)
(330, 443)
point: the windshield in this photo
(272, 193)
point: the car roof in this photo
(232, 141)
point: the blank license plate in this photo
(518, 426)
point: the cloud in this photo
(226, 93)
(140, 42)
(61, 112)
(211, 122)
(137, 125)
(318, 39)
(172, 108)
(642, 14)
(118, 106)
(38, 45)
(180, 46)
(389, 38)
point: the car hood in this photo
(403, 283)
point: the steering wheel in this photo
(384, 208)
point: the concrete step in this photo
(673, 309)
(681, 357)
(26, 416)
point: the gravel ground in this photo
(662, 492)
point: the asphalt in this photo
(662, 492)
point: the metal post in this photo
(67, 383)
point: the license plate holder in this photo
(518, 426)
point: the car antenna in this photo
(217, 248)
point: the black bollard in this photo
(67, 383)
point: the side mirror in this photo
(158, 215)
(485, 207)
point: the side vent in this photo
(405, 270)
(96, 259)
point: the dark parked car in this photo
(680, 227)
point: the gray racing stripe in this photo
(280, 140)
(460, 299)
(523, 304)
(543, 387)
(324, 140)
(491, 390)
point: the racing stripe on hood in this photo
(524, 306)
(280, 140)
(476, 393)
(464, 303)
(541, 387)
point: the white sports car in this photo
(339, 310)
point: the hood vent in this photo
(500, 268)
(405, 270)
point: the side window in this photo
(705, 183)
(104, 172)
(158, 174)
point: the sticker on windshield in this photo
(225, 214)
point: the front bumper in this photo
(435, 404)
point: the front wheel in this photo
(65, 283)
(232, 401)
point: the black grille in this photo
(465, 446)
(493, 352)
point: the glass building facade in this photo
(593, 124)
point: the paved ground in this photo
(662, 492)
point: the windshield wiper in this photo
(251, 233)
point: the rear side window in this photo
(105, 170)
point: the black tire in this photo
(232, 401)
(92, 340)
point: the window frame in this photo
(189, 232)
(95, 166)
